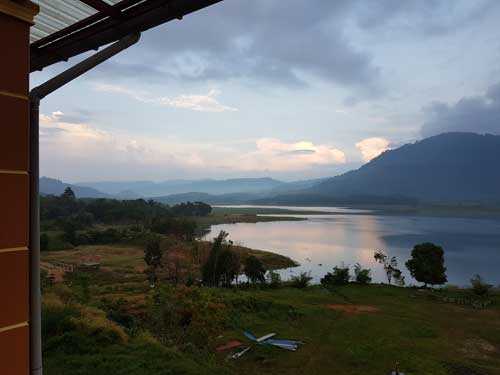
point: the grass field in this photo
(353, 330)
(402, 325)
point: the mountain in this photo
(231, 198)
(296, 186)
(51, 186)
(447, 168)
(209, 186)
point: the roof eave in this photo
(136, 19)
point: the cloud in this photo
(275, 155)
(478, 114)
(57, 125)
(258, 40)
(203, 103)
(370, 148)
(263, 41)
(79, 151)
(420, 17)
(200, 103)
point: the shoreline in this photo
(249, 211)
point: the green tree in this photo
(426, 264)
(153, 254)
(229, 266)
(390, 264)
(255, 270)
(68, 194)
(211, 272)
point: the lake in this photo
(322, 241)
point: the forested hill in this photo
(451, 167)
(52, 186)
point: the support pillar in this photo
(16, 18)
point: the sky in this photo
(265, 88)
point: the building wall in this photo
(14, 187)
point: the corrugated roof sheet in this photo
(55, 15)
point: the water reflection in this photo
(471, 245)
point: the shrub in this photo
(339, 276)
(187, 316)
(479, 287)
(274, 279)
(116, 311)
(255, 270)
(55, 315)
(80, 285)
(362, 275)
(153, 254)
(301, 281)
(93, 322)
(390, 267)
(63, 321)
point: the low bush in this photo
(362, 275)
(339, 276)
(274, 280)
(301, 281)
(71, 322)
(479, 286)
(93, 322)
(189, 317)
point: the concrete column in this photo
(16, 18)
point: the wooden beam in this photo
(138, 18)
(103, 7)
(24, 10)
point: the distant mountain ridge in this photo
(209, 186)
(175, 191)
(52, 186)
(447, 168)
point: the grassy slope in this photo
(134, 358)
(130, 259)
(422, 334)
(425, 336)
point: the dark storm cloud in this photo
(478, 114)
(264, 40)
(285, 42)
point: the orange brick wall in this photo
(14, 188)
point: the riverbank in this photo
(234, 215)
(431, 210)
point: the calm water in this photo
(323, 241)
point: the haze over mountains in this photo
(151, 188)
(447, 168)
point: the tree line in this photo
(81, 220)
